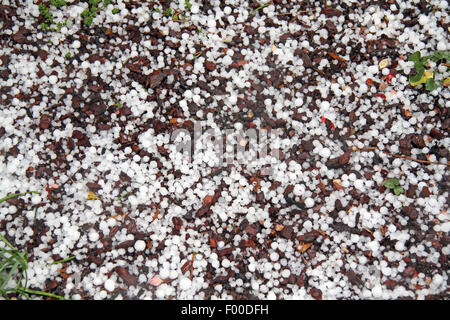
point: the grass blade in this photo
(10, 196)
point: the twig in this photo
(416, 160)
(356, 149)
(192, 267)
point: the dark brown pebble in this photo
(113, 231)
(409, 272)
(390, 284)
(42, 54)
(411, 212)
(202, 211)
(18, 37)
(331, 12)
(316, 293)
(44, 122)
(125, 244)
(95, 259)
(418, 142)
(411, 192)
(77, 134)
(252, 229)
(309, 236)
(345, 158)
(287, 232)
(425, 192)
(103, 126)
(354, 278)
(330, 26)
(93, 186)
(210, 66)
(224, 252)
(435, 133)
(126, 276)
(307, 145)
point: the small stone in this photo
(418, 142)
(252, 229)
(316, 293)
(409, 272)
(126, 276)
(44, 122)
(287, 232)
(425, 192)
(435, 133)
(210, 66)
(308, 237)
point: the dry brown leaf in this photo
(337, 184)
(303, 247)
(92, 196)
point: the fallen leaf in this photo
(407, 113)
(428, 74)
(92, 196)
(337, 184)
(383, 63)
(303, 247)
(156, 281)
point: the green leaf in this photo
(415, 57)
(420, 69)
(391, 183)
(398, 190)
(430, 85)
(167, 12)
(187, 5)
(85, 13)
(438, 55)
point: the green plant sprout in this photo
(187, 5)
(427, 76)
(10, 196)
(47, 15)
(58, 3)
(91, 11)
(394, 185)
(261, 7)
(45, 12)
(61, 261)
(14, 266)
